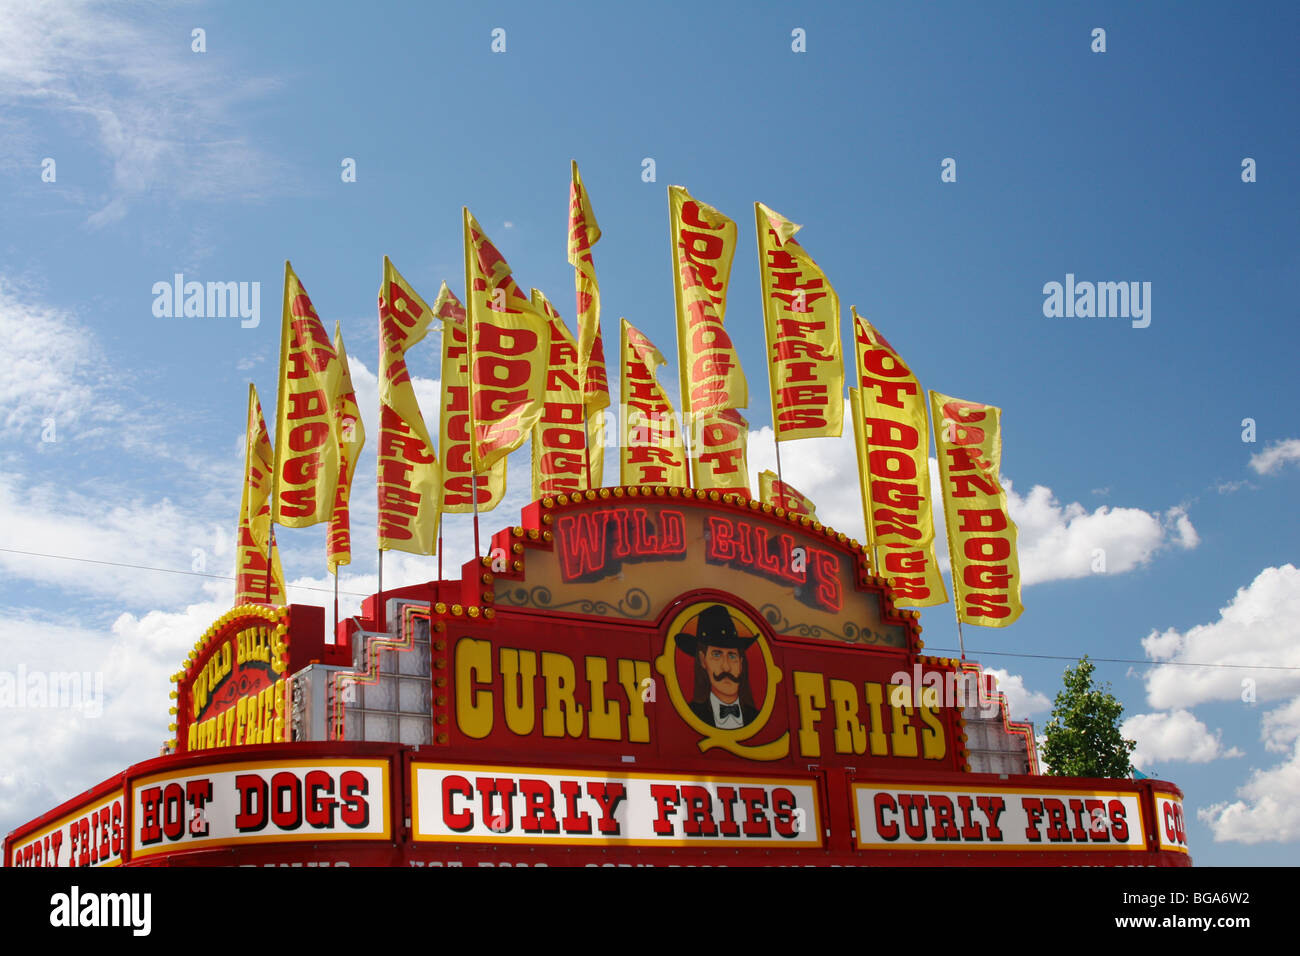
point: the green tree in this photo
(1083, 738)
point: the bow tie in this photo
(728, 710)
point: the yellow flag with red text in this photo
(720, 446)
(712, 383)
(306, 434)
(352, 438)
(583, 233)
(781, 494)
(801, 312)
(509, 345)
(982, 538)
(458, 480)
(894, 470)
(409, 477)
(652, 451)
(559, 437)
(254, 532)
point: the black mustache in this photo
(726, 676)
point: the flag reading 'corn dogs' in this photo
(306, 434)
(410, 480)
(780, 494)
(458, 481)
(583, 233)
(981, 535)
(894, 468)
(713, 385)
(802, 322)
(652, 452)
(352, 438)
(559, 437)
(255, 517)
(509, 346)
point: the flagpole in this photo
(767, 338)
(947, 530)
(586, 439)
(473, 481)
(469, 365)
(336, 604)
(279, 412)
(379, 612)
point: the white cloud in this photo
(1280, 728)
(1173, 736)
(49, 369)
(1061, 542)
(1182, 531)
(1275, 456)
(55, 753)
(51, 519)
(1267, 809)
(162, 114)
(1228, 487)
(1056, 541)
(1023, 703)
(1260, 626)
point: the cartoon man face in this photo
(725, 667)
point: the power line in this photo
(144, 567)
(1120, 660)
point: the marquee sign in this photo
(501, 805)
(816, 583)
(232, 691)
(979, 818)
(284, 801)
(1171, 830)
(708, 684)
(90, 835)
(632, 676)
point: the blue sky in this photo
(1117, 166)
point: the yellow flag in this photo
(410, 480)
(782, 494)
(894, 469)
(559, 439)
(352, 438)
(509, 342)
(704, 243)
(982, 538)
(721, 445)
(651, 452)
(458, 481)
(713, 385)
(583, 233)
(306, 434)
(255, 517)
(802, 321)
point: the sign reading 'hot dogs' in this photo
(283, 802)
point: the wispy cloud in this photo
(162, 115)
(1275, 456)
